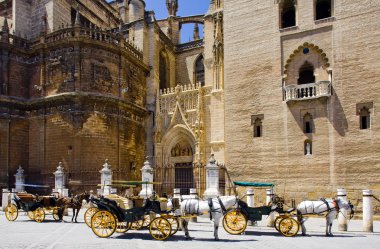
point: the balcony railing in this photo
(307, 91)
(72, 34)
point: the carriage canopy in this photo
(254, 184)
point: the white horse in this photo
(213, 208)
(331, 207)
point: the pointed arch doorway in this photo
(182, 158)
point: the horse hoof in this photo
(188, 238)
(216, 239)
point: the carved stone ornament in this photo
(60, 70)
(100, 77)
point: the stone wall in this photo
(185, 66)
(256, 52)
(72, 102)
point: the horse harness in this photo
(212, 209)
(329, 208)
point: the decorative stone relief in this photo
(60, 67)
(100, 77)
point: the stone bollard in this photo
(250, 201)
(105, 179)
(177, 193)
(342, 216)
(212, 179)
(6, 196)
(367, 211)
(20, 180)
(193, 195)
(147, 176)
(60, 181)
(270, 219)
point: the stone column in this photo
(270, 219)
(106, 179)
(6, 198)
(342, 216)
(60, 181)
(250, 197)
(147, 176)
(250, 201)
(212, 179)
(367, 211)
(177, 193)
(193, 193)
(20, 180)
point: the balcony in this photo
(307, 91)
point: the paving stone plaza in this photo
(26, 234)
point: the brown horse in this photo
(75, 203)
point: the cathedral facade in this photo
(283, 91)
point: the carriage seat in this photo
(122, 202)
(25, 197)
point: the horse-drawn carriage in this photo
(37, 207)
(235, 220)
(117, 214)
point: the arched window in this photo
(306, 74)
(322, 9)
(308, 148)
(365, 118)
(164, 71)
(199, 71)
(288, 14)
(308, 123)
(258, 128)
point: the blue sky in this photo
(186, 8)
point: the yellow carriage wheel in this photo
(277, 222)
(103, 224)
(123, 226)
(88, 215)
(234, 222)
(39, 215)
(31, 215)
(174, 225)
(160, 228)
(146, 221)
(289, 227)
(55, 214)
(137, 225)
(11, 212)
